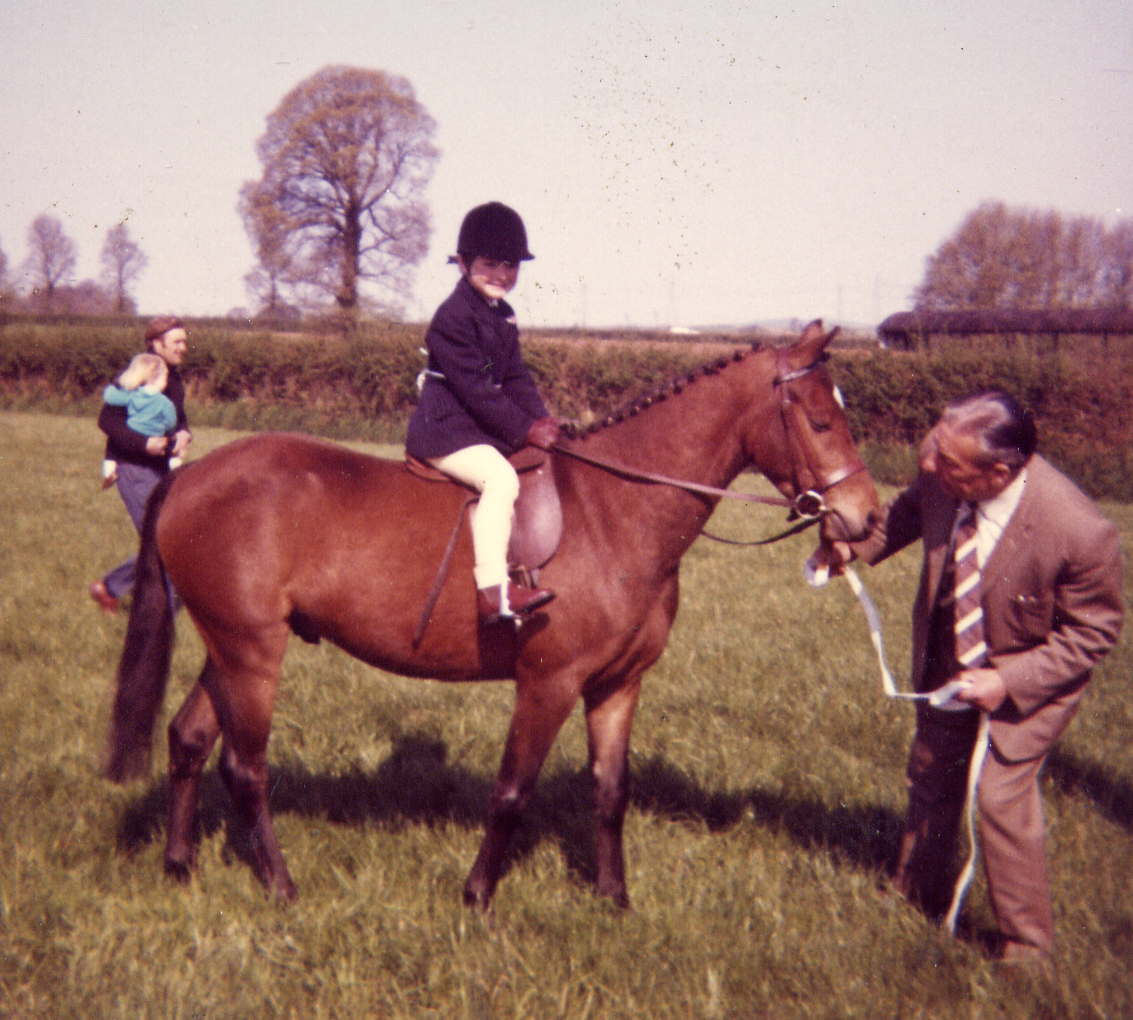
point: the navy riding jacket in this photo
(477, 388)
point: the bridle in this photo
(807, 507)
(808, 503)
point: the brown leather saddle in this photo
(536, 529)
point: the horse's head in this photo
(815, 462)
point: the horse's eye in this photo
(820, 426)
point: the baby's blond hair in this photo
(145, 370)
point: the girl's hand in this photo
(544, 432)
(181, 441)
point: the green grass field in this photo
(767, 801)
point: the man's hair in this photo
(158, 327)
(1004, 428)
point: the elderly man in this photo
(1020, 595)
(143, 460)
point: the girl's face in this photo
(491, 278)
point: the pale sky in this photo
(725, 161)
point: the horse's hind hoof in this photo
(180, 871)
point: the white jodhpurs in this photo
(489, 473)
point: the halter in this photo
(808, 506)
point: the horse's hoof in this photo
(180, 871)
(284, 890)
(478, 899)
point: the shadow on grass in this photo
(863, 836)
(1076, 776)
(416, 785)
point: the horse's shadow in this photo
(416, 784)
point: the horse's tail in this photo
(143, 670)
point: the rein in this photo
(938, 698)
(807, 505)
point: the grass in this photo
(768, 797)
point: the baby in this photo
(148, 410)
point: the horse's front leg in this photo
(542, 704)
(192, 736)
(609, 720)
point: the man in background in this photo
(143, 460)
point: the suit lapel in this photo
(937, 536)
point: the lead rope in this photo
(817, 576)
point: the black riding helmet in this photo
(494, 231)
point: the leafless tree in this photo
(345, 160)
(123, 261)
(51, 260)
(5, 285)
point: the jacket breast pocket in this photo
(1030, 614)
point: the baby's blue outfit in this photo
(151, 414)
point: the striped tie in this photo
(971, 650)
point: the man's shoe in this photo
(1025, 958)
(505, 601)
(106, 602)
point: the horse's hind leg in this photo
(243, 693)
(192, 736)
(541, 708)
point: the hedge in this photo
(364, 387)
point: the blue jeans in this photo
(135, 483)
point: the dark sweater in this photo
(125, 445)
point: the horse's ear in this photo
(813, 331)
(814, 336)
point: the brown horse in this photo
(277, 534)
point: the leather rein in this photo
(808, 507)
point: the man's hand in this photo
(834, 556)
(985, 689)
(155, 445)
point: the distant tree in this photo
(1117, 274)
(345, 160)
(1021, 258)
(51, 260)
(123, 261)
(5, 285)
(86, 297)
(277, 273)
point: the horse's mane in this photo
(576, 430)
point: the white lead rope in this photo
(942, 698)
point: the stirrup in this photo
(509, 601)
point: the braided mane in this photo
(574, 430)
